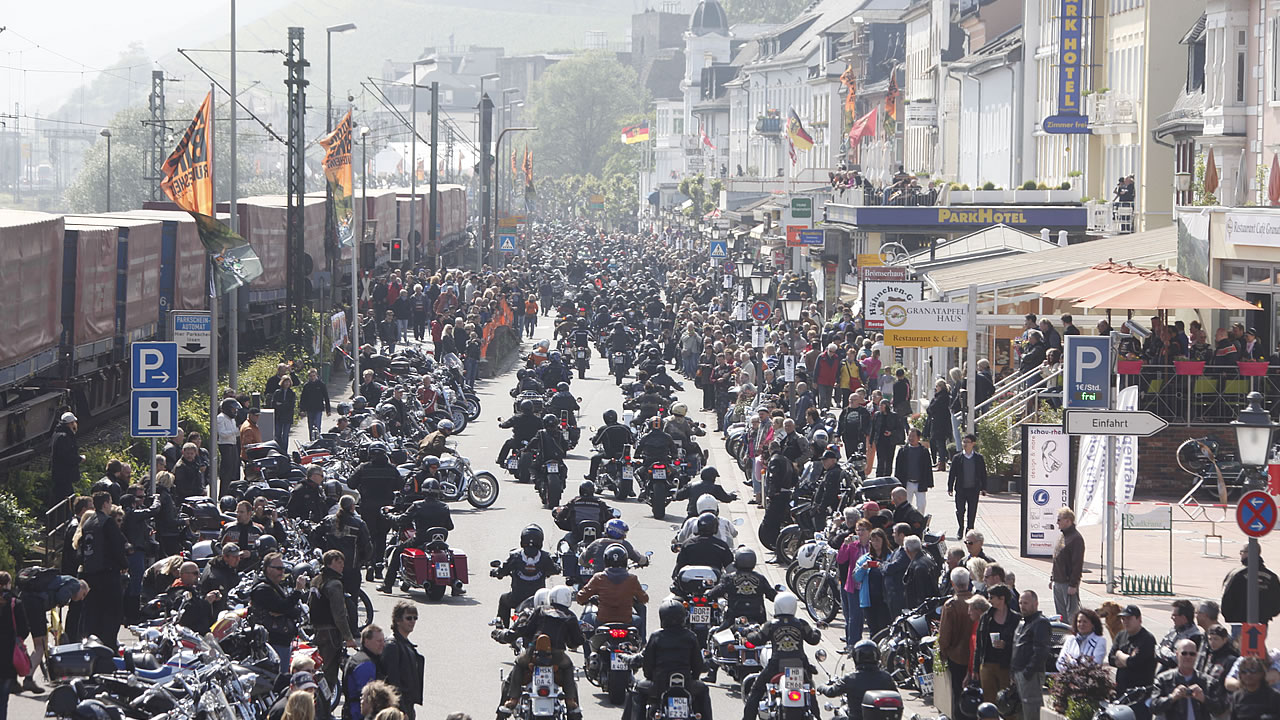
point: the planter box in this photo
(1188, 367)
(1129, 367)
(1253, 368)
(1065, 196)
(988, 197)
(942, 694)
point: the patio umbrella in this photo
(1210, 174)
(1092, 279)
(1273, 184)
(1163, 289)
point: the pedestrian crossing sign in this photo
(507, 243)
(719, 249)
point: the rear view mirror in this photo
(821, 655)
(739, 522)
(617, 513)
(495, 564)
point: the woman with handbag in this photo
(14, 660)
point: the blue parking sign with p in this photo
(154, 366)
(1086, 371)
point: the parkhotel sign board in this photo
(926, 324)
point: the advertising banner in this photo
(1261, 229)
(1070, 118)
(926, 324)
(1045, 466)
(341, 178)
(875, 295)
(1091, 468)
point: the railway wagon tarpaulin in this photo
(30, 263)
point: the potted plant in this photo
(1252, 368)
(1078, 691)
(941, 684)
(1129, 366)
(995, 442)
(1183, 366)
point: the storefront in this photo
(1244, 245)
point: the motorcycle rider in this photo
(554, 371)
(307, 501)
(529, 567)
(615, 533)
(786, 635)
(245, 533)
(424, 514)
(377, 481)
(434, 443)
(346, 531)
(527, 381)
(558, 623)
(867, 675)
(548, 445)
(653, 447)
(620, 597)
(745, 589)
(612, 439)
(563, 402)
(523, 428)
(689, 530)
(706, 485)
(705, 549)
(680, 427)
(580, 337)
(672, 650)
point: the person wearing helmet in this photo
(787, 636)
(655, 446)
(866, 675)
(585, 508)
(670, 651)
(745, 590)
(705, 548)
(707, 503)
(377, 481)
(243, 532)
(612, 438)
(615, 533)
(341, 426)
(830, 481)
(523, 427)
(529, 567)
(435, 443)
(560, 626)
(346, 531)
(547, 446)
(529, 382)
(705, 486)
(423, 515)
(307, 502)
(359, 405)
(563, 404)
(580, 336)
(553, 371)
(618, 594)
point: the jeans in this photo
(282, 434)
(5, 685)
(284, 652)
(419, 327)
(404, 327)
(471, 370)
(690, 364)
(938, 448)
(228, 464)
(852, 617)
(314, 418)
(137, 566)
(824, 395)
(530, 324)
(877, 616)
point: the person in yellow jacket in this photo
(850, 379)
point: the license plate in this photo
(513, 463)
(700, 615)
(659, 474)
(619, 361)
(553, 468)
(628, 474)
(678, 708)
(750, 661)
(794, 679)
(580, 353)
(442, 570)
(544, 676)
(619, 661)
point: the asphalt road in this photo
(463, 664)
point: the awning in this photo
(757, 232)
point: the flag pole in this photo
(233, 304)
(213, 316)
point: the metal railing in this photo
(1212, 395)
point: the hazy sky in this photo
(60, 43)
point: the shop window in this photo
(1233, 273)
(1260, 275)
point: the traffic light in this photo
(397, 251)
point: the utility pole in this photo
(296, 179)
(233, 300)
(486, 165)
(433, 242)
(156, 151)
(448, 152)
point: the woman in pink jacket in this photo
(853, 548)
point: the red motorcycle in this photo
(435, 567)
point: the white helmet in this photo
(446, 425)
(679, 409)
(807, 556)
(708, 503)
(785, 604)
(561, 595)
(541, 597)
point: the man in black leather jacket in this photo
(705, 549)
(377, 482)
(423, 515)
(787, 636)
(529, 567)
(611, 438)
(560, 625)
(866, 676)
(307, 501)
(706, 485)
(523, 427)
(671, 650)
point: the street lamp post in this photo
(106, 133)
(497, 148)
(1253, 436)
(482, 142)
(791, 308)
(760, 285)
(355, 259)
(328, 70)
(413, 156)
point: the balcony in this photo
(1111, 113)
(769, 125)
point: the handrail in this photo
(1004, 385)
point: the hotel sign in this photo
(1070, 119)
(961, 216)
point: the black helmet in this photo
(587, 489)
(866, 655)
(431, 488)
(91, 710)
(522, 374)
(526, 407)
(344, 408)
(615, 556)
(377, 448)
(970, 699)
(227, 503)
(562, 387)
(707, 524)
(988, 711)
(332, 488)
(744, 558)
(550, 421)
(531, 538)
(610, 416)
(709, 474)
(358, 403)
(266, 544)
(672, 614)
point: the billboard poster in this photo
(876, 294)
(1047, 472)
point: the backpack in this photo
(37, 580)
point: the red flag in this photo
(865, 126)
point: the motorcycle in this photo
(542, 698)
(791, 694)
(609, 667)
(549, 478)
(458, 480)
(675, 704)
(617, 475)
(656, 488)
(435, 567)
(571, 548)
(582, 360)
(691, 586)
(907, 646)
(734, 653)
(876, 705)
(619, 365)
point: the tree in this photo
(580, 106)
(763, 11)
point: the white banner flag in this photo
(1091, 468)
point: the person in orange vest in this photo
(530, 316)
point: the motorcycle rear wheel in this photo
(472, 403)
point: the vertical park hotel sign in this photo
(1069, 120)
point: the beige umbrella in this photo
(1163, 289)
(1210, 174)
(1087, 281)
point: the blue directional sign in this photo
(155, 366)
(153, 413)
(507, 243)
(719, 249)
(813, 238)
(1086, 371)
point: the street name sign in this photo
(1113, 422)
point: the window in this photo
(1275, 59)
(1260, 275)
(1195, 66)
(1241, 46)
(677, 126)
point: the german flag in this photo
(800, 138)
(633, 134)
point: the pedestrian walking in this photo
(314, 403)
(967, 481)
(284, 402)
(937, 424)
